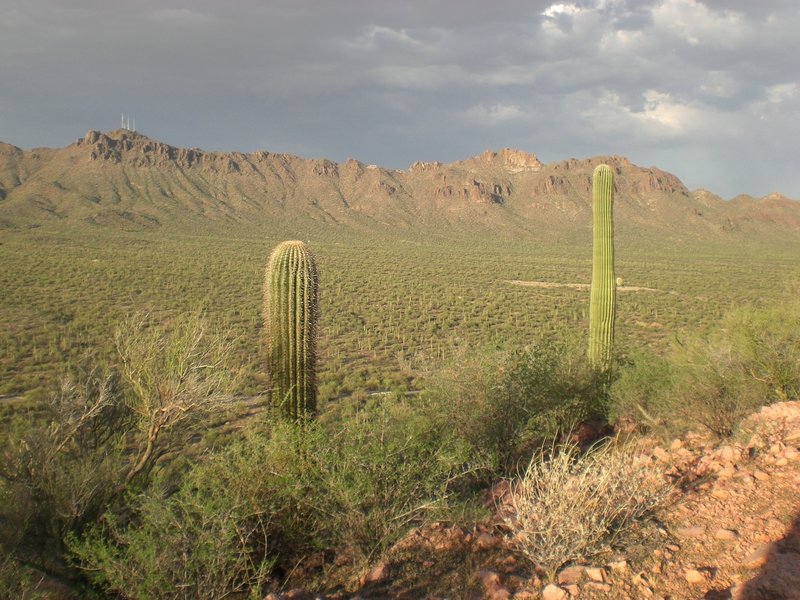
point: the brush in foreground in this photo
(570, 505)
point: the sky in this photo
(708, 90)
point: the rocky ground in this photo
(731, 531)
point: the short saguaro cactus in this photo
(290, 319)
(603, 299)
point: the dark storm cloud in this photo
(702, 89)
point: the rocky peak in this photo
(418, 166)
(513, 160)
(123, 145)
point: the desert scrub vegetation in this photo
(505, 405)
(265, 503)
(570, 504)
(714, 378)
(387, 303)
(106, 433)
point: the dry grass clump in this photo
(569, 505)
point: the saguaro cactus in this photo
(604, 286)
(290, 319)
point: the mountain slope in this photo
(123, 179)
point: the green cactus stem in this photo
(604, 287)
(290, 320)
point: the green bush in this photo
(766, 342)
(199, 542)
(352, 488)
(642, 392)
(715, 379)
(503, 407)
(106, 433)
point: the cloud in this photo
(555, 10)
(492, 114)
(657, 80)
(178, 16)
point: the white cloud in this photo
(561, 9)
(782, 92)
(662, 110)
(660, 118)
(698, 25)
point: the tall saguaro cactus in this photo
(290, 319)
(604, 286)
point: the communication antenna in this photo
(134, 124)
(122, 121)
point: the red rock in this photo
(691, 532)
(596, 574)
(694, 576)
(553, 592)
(500, 593)
(377, 573)
(738, 591)
(597, 586)
(727, 454)
(489, 579)
(760, 475)
(727, 535)
(620, 566)
(485, 540)
(747, 480)
(720, 494)
(676, 444)
(298, 594)
(573, 589)
(571, 574)
(660, 454)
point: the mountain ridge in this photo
(123, 179)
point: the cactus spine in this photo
(290, 319)
(604, 286)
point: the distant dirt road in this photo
(577, 286)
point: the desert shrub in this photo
(199, 542)
(18, 581)
(570, 505)
(105, 433)
(711, 387)
(355, 486)
(766, 342)
(387, 468)
(700, 383)
(715, 379)
(60, 473)
(502, 407)
(642, 393)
